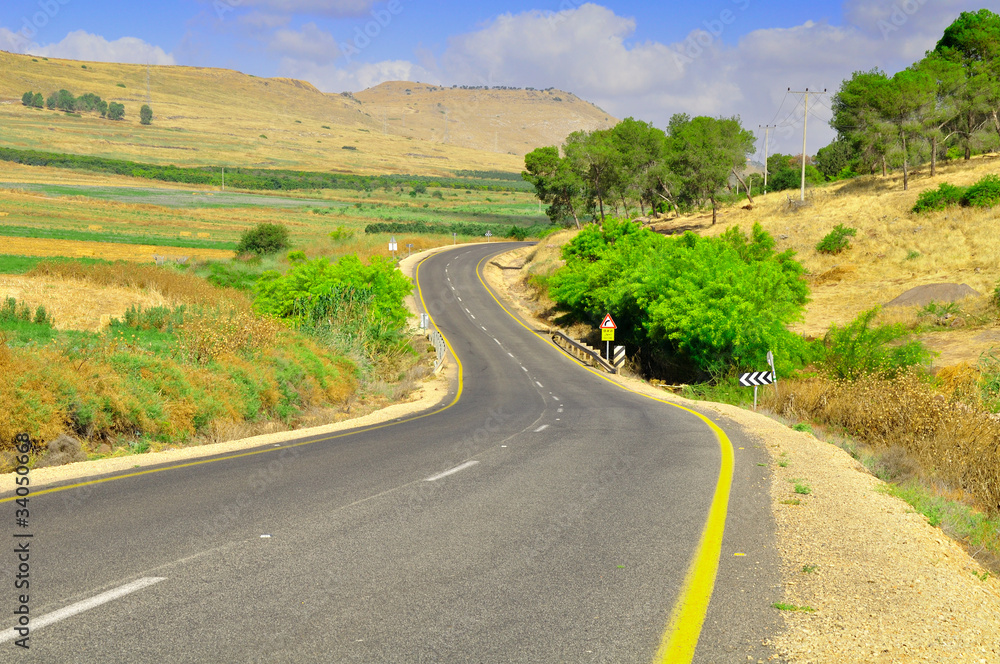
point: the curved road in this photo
(546, 515)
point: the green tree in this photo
(556, 183)
(145, 115)
(973, 41)
(115, 111)
(38, 101)
(596, 161)
(27, 98)
(704, 151)
(857, 119)
(834, 158)
(640, 148)
(263, 239)
(66, 101)
(903, 102)
(52, 101)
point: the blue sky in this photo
(644, 59)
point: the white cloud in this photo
(263, 21)
(310, 43)
(358, 76)
(585, 50)
(13, 42)
(323, 7)
(82, 45)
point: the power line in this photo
(805, 124)
(779, 107)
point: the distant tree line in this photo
(64, 100)
(636, 165)
(247, 178)
(461, 228)
(945, 105)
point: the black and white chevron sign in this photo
(756, 378)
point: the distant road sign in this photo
(607, 334)
(608, 323)
(755, 378)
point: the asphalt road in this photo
(563, 534)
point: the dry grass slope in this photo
(501, 121)
(894, 249)
(208, 116)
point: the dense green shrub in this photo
(938, 199)
(836, 240)
(985, 193)
(362, 303)
(861, 348)
(12, 312)
(263, 239)
(692, 307)
(517, 233)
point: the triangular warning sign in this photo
(608, 323)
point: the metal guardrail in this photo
(438, 341)
(581, 352)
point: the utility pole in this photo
(767, 134)
(805, 123)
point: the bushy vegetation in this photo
(863, 348)
(263, 239)
(353, 306)
(946, 195)
(64, 100)
(984, 194)
(836, 240)
(693, 307)
(472, 229)
(164, 375)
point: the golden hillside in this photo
(500, 121)
(206, 116)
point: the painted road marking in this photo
(680, 637)
(458, 298)
(559, 410)
(556, 398)
(498, 341)
(511, 354)
(539, 384)
(542, 428)
(452, 471)
(84, 605)
(473, 317)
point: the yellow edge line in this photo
(454, 401)
(680, 638)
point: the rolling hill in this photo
(502, 121)
(205, 116)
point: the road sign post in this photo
(392, 246)
(608, 328)
(489, 234)
(755, 379)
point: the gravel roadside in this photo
(874, 582)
